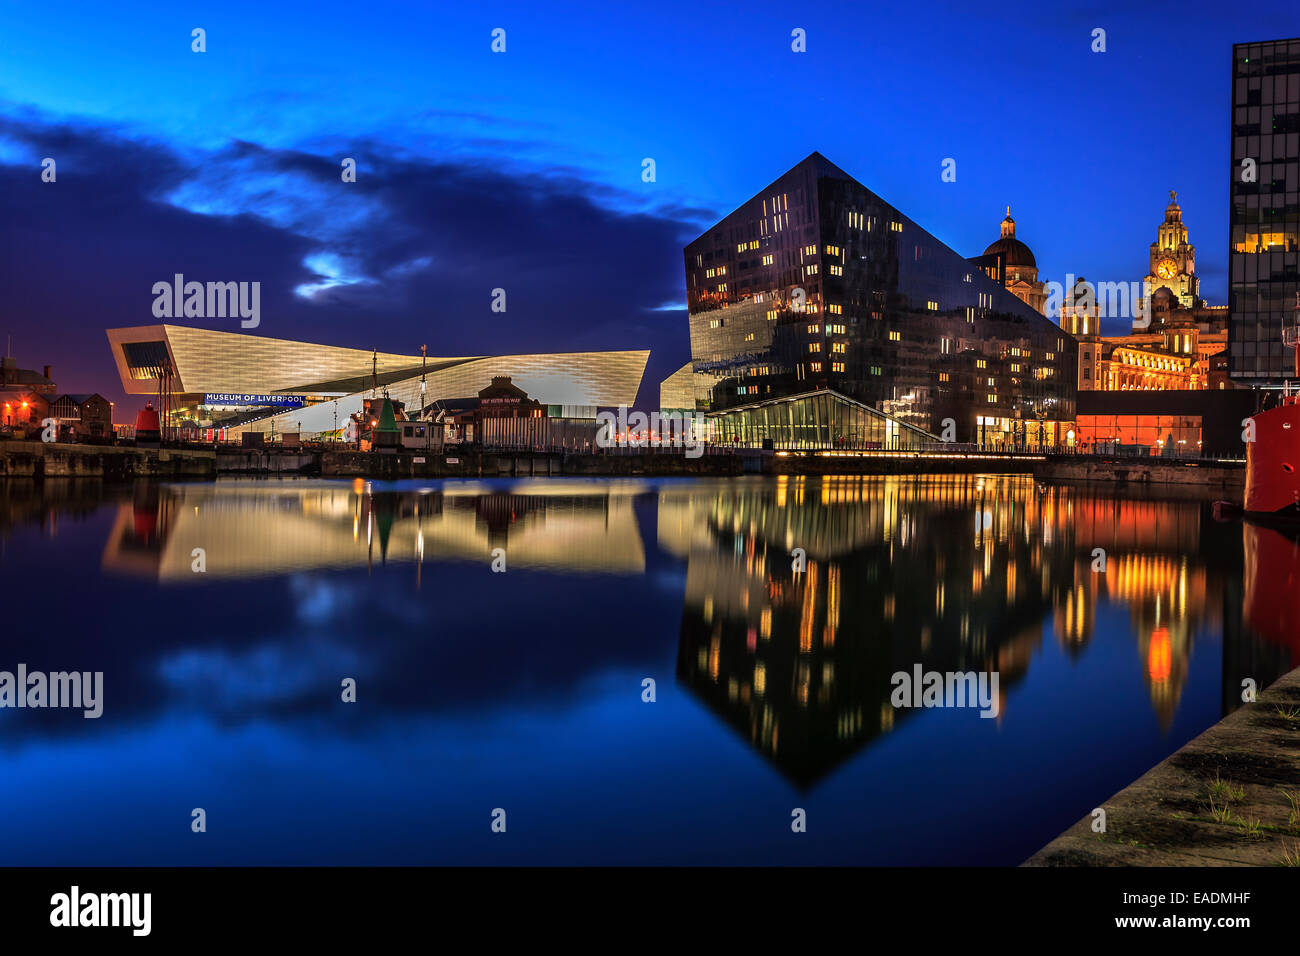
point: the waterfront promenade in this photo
(1230, 797)
(26, 459)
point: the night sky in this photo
(522, 170)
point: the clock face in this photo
(1166, 268)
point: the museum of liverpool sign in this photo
(236, 398)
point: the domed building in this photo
(1011, 262)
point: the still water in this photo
(523, 690)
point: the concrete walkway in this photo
(1230, 797)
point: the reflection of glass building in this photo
(897, 573)
(818, 284)
(1264, 250)
(243, 382)
(957, 573)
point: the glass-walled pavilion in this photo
(822, 420)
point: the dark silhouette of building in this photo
(816, 283)
(1264, 219)
(84, 415)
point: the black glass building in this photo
(1264, 241)
(818, 284)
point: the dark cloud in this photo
(430, 238)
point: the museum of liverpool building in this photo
(226, 383)
(821, 317)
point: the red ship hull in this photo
(1272, 460)
(1271, 605)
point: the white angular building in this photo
(255, 383)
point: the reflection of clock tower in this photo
(1173, 260)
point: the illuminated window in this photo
(722, 287)
(992, 398)
(980, 363)
(771, 315)
(767, 260)
(932, 306)
(837, 366)
(814, 329)
(895, 226)
(943, 376)
(715, 323)
(810, 250)
(838, 347)
(833, 250)
(815, 366)
(835, 309)
(837, 270)
(814, 346)
(895, 336)
(875, 370)
(945, 346)
(834, 330)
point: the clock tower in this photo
(1173, 261)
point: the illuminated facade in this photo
(238, 383)
(1175, 335)
(818, 284)
(25, 395)
(1176, 346)
(815, 420)
(1264, 219)
(1173, 262)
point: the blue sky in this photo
(523, 170)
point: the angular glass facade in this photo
(813, 421)
(1264, 241)
(817, 283)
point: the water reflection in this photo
(956, 574)
(1101, 672)
(248, 530)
